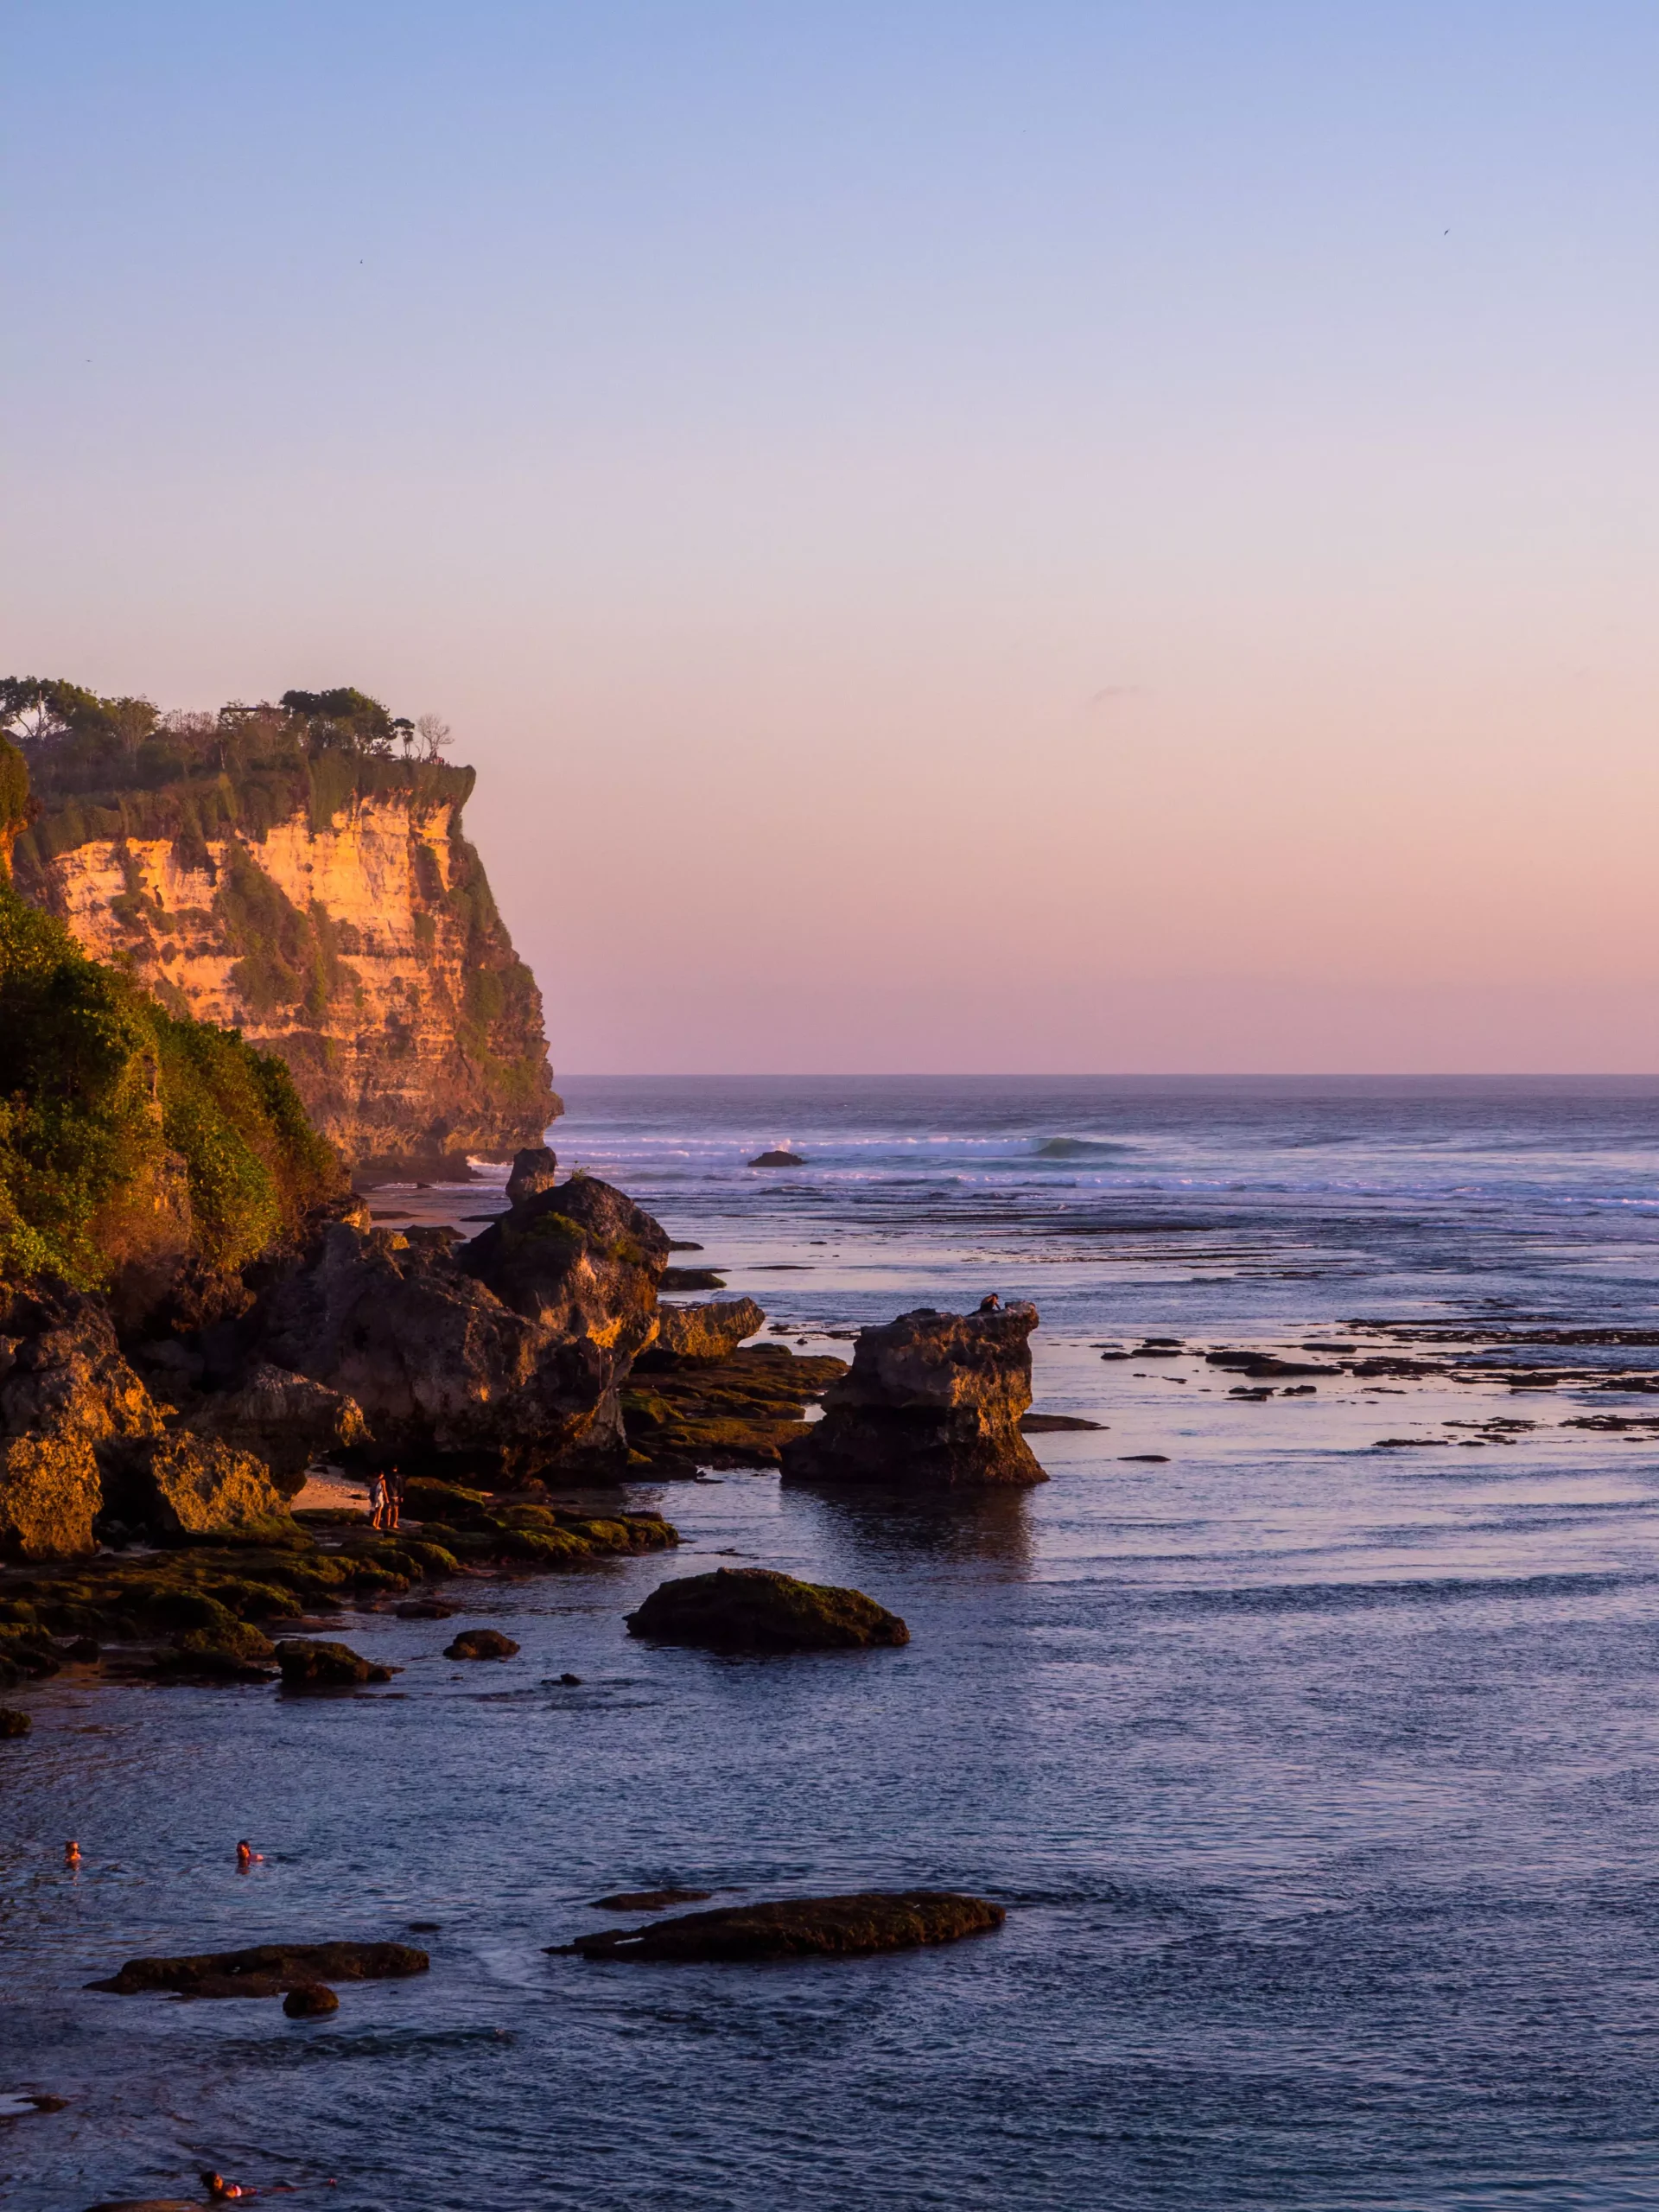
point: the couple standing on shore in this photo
(385, 1499)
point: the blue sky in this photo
(1179, 479)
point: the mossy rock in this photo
(13, 1723)
(433, 1558)
(176, 1607)
(554, 1548)
(315, 1664)
(752, 1608)
(239, 1654)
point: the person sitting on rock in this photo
(990, 1304)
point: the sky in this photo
(1034, 537)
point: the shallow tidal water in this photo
(1321, 1781)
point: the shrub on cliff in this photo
(127, 1138)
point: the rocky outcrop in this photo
(799, 1928)
(287, 1419)
(506, 1356)
(753, 1609)
(69, 1403)
(535, 1169)
(335, 915)
(696, 1336)
(933, 1400)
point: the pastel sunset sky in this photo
(959, 537)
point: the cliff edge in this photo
(298, 873)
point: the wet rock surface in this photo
(264, 1969)
(933, 1400)
(753, 1609)
(482, 1643)
(834, 1927)
(319, 1665)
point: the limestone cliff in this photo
(332, 911)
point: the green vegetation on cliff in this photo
(129, 1138)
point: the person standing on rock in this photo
(378, 1502)
(394, 1498)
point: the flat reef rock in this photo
(932, 1401)
(753, 1609)
(264, 1969)
(731, 1413)
(797, 1928)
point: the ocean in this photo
(1320, 1774)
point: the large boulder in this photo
(187, 1486)
(289, 1421)
(932, 1400)
(797, 1928)
(697, 1335)
(507, 1356)
(69, 1405)
(754, 1609)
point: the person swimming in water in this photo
(246, 1856)
(219, 2190)
(71, 1854)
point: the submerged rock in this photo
(703, 1334)
(777, 1158)
(933, 1400)
(482, 1643)
(649, 1900)
(319, 1665)
(266, 1969)
(752, 1608)
(795, 1928)
(13, 1723)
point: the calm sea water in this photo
(1321, 1781)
